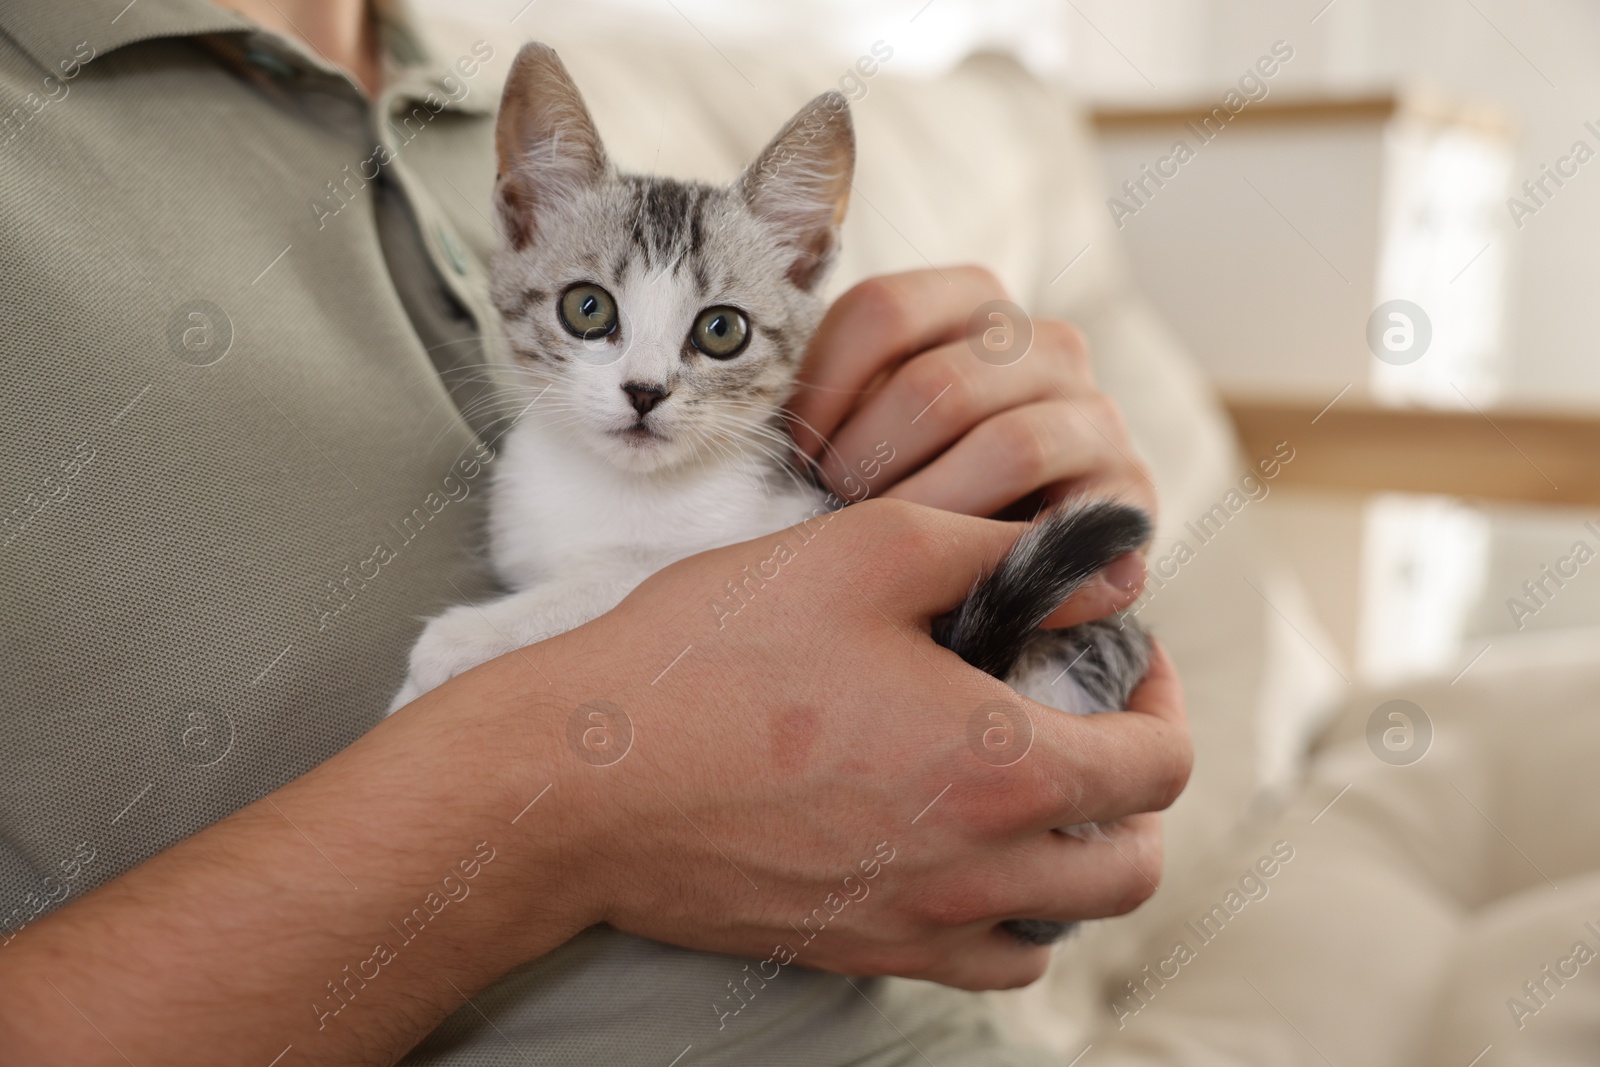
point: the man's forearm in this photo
(345, 914)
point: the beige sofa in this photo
(1409, 911)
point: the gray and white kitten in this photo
(658, 327)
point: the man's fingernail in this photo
(1125, 573)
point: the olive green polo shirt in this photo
(243, 416)
(234, 479)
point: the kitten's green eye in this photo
(720, 332)
(588, 312)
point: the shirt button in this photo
(452, 251)
(270, 62)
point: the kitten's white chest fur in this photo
(573, 535)
(658, 327)
(557, 505)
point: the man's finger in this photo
(873, 328)
(1161, 692)
(983, 958)
(1096, 768)
(1022, 450)
(1106, 870)
(1114, 589)
(927, 403)
(925, 561)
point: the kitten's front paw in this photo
(410, 691)
(456, 641)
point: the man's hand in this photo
(778, 747)
(891, 362)
(800, 745)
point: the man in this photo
(246, 338)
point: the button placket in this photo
(268, 61)
(452, 250)
(458, 271)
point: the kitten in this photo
(658, 327)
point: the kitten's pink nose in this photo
(644, 396)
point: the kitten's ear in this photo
(800, 184)
(546, 144)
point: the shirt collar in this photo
(417, 64)
(54, 32)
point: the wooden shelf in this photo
(1379, 108)
(1415, 105)
(1532, 456)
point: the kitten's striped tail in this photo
(1001, 616)
(1051, 561)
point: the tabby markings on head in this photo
(695, 300)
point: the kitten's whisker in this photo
(827, 445)
(788, 442)
(784, 441)
(495, 410)
(749, 435)
(512, 397)
(479, 337)
(776, 448)
(509, 398)
(829, 389)
(503, 377)
(483, 373)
